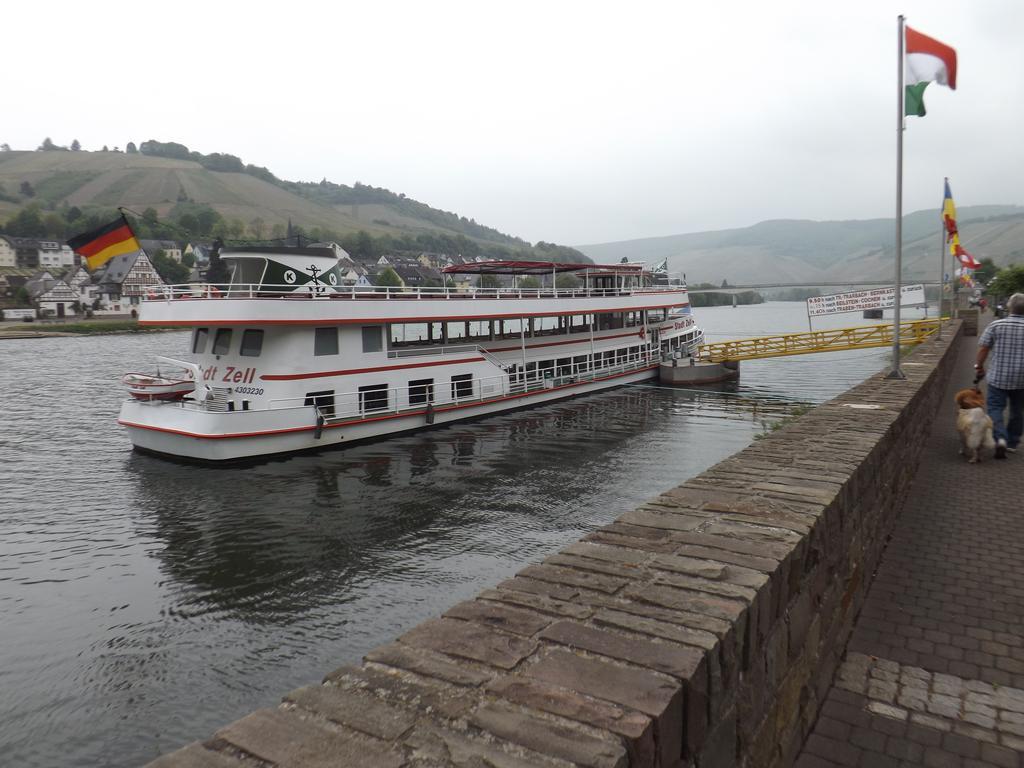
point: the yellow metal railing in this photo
(833, 339)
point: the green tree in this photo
(21, 297)
(277, 231)
(364, 246)
(54, 225)
(165, 149)
(170, 270)
(217, 273)
(256, 228)
(221, 230)
(76, 145)
(986, 271)
(528, 282)
(188, 259)
(74, 214)
(151, 217)
(47, 145)
(26, 189)
(207, 219)
(567, 281)
(5, 147)
(488, 281)
(189, 223)
(1008, 281)
(388, 278)
(236, 228)
(26, 223)
(131, 149)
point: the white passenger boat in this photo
(285, 358)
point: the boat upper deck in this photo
(270, 286)
(380, 292)
(259, 303)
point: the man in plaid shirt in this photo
(1005, 340)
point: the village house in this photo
(90, 296)
(351, 270)
(26, 253)
(53, 255)
(415, 276)
(11, 281)
(199, 251)
(126, 279)
(434, 260)
(52, 296)
(375, 273)
(31, 253)
(77, 277)
(170, 248)
(8, 253)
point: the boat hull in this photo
(207, 436)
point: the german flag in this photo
(101, 245)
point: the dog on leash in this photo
(973, 424)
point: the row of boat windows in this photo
(406, 334)
(685, 339)
(250, 346)
(571, 366)
(377, 397)
(325, 340)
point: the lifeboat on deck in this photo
(145, 387)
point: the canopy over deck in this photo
(538, 268)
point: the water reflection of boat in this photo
(285, 358)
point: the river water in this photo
(145, 603)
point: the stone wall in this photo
(702, 629)
(969, 319)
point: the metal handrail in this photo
(826, 340)
(457, 349)
(329, 292)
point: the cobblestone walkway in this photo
(934, 671)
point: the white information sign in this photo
(855, 301)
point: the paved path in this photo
(934, 671)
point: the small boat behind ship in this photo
(287, 358)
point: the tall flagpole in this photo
(896, 373)
(942, 252)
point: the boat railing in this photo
(372, 293)
(456, 349)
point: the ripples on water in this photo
(144, 603)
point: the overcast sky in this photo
(573, 122)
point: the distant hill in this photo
(798, 250)
(170, 178)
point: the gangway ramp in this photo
(830, 340)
